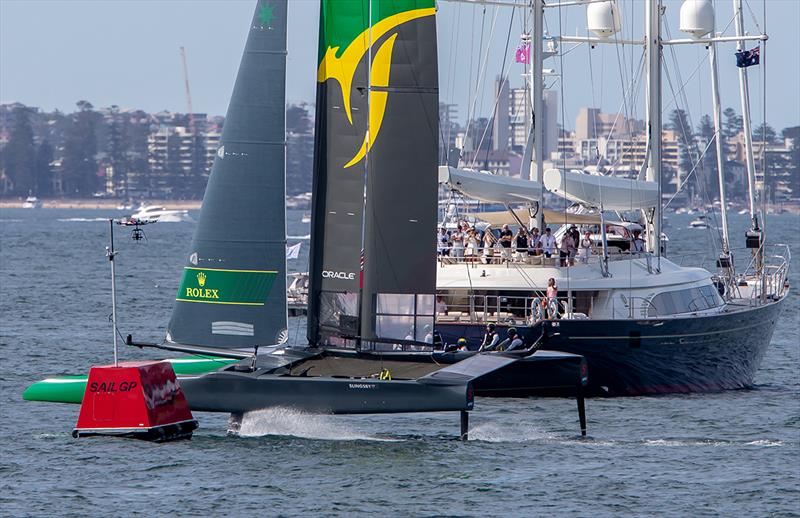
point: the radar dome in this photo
(603, 18)
(697, 17)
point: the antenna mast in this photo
(188, 92)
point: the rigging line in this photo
(481, 71)
(594, 101)
(469, 82)
(474, 99)
(688, 175)
(503, 79)
(753, 16)
(691, 145)
(632, 90)
(452, 78)
(563, 159)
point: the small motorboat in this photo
(32, 202)
(699, 222)
(160, 214)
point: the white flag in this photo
(293, 252)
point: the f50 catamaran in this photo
(232, 296)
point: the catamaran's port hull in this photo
(238, 392)
(677, 355)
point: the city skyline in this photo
(80, 50)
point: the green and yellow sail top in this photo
(348, 28)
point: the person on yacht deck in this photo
(585, 247)
(565, 250)
(441, 305)
(472, 245)
(521, 242)
(552, 298)
(506, 237)
(488, 246)
(443, 242)
(548, 243)
(534, 242)
(638, 242)
(457, 238)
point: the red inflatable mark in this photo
(136, 399)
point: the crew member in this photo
(490, 339)
(511, 343)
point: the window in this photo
(684, 301)
(405, 317)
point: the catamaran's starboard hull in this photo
(239, 392)
(678, 355)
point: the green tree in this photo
(733, 124)
(118, 151)
(43, 168)
(80, 148)
(705, 134)
(764, 132)
(20, 153)
(679, 123)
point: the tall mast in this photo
(748, 136)
(537, 104)
(653, 47)
(723, 208)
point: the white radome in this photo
(697, 17)
(603, 18)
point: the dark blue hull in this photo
(632, 358)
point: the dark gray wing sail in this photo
(375, 172)
(233, 289)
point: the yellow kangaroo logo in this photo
(342, 69)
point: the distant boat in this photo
(32, 202)
(160, 214)
(699, 222)
(306, 218)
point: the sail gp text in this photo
(111, 386)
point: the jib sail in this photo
(375, 173)
(233, 290)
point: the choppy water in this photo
(732, 453)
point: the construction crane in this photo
(188, 92)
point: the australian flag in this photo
(747, 58)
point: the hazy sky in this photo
(54, 53)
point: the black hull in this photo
(544, 372)
(239, 392)
(634, 358)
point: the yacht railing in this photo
(768, 281)
(508, 310)
(514, 257)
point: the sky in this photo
(124, 52)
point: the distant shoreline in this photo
(99, 203)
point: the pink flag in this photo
(523, 54)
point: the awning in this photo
(488, 187)
(608, 192)
(551, 217)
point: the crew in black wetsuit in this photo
(490, 339)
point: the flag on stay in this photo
(748, 58)
(523, 54)
(293, 252)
